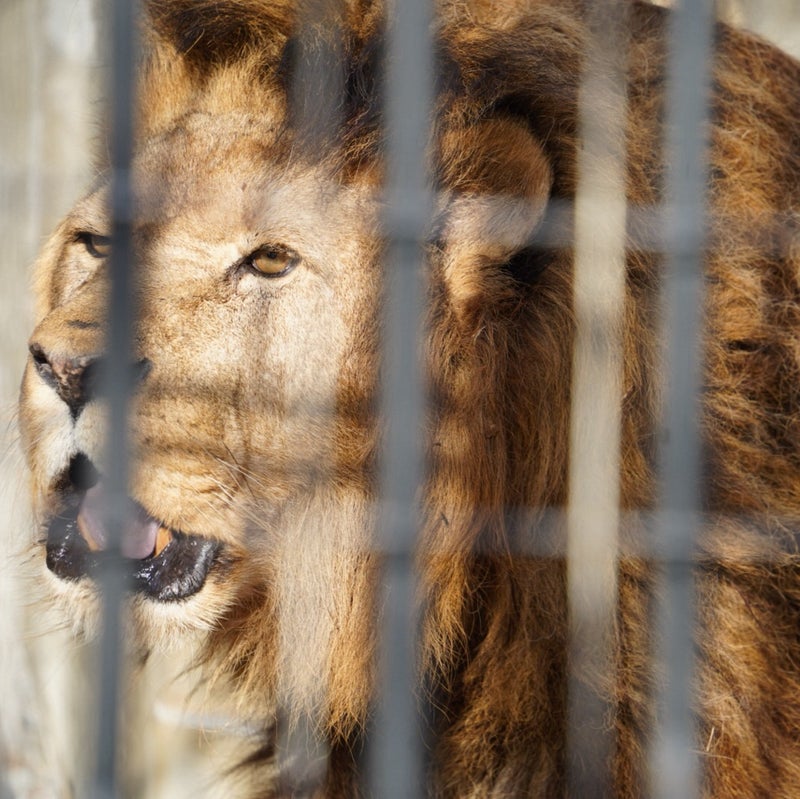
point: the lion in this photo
(256, 429)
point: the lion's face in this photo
(255, 426)
(244, 354)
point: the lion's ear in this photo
(496, 182)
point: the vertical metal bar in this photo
(118, 377)
(319, 80)
(675, 766)
(396, 757)
(316, 105)
(599, 297)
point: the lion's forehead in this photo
(227, 180)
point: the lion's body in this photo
(255, 425)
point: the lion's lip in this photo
(161, 563)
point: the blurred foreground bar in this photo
(118, 384)
(674, 765)
(396, 762)
(593, 513)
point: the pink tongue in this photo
(139, 536)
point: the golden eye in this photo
(96, 245)
(272, 261)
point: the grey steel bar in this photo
(396, 750)
(316, 101)
(319, 80)
(593, 513)
(118, 385)
(675, 766)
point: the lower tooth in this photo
(163, 537)
(86, 534)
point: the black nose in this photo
(75, 379)
(72, 378)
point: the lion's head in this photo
(255, 427)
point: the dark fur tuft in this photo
(209, 33)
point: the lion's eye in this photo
(272, 261)
(96, 245)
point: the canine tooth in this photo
(163, 537)
(86, 534)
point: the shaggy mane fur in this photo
(499, 352)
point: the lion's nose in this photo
(75, 378)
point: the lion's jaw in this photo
(236, 424)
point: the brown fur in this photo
(272, 450)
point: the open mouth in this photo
(161, 563)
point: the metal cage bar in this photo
(396, 758)
(593, 513)
(674, 765)
(118, 387)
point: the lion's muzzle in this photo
(163, 564)
(76, 378)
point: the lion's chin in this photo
(151, 625)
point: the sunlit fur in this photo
(258, 424)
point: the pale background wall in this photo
(50, 78)
(776, 20)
